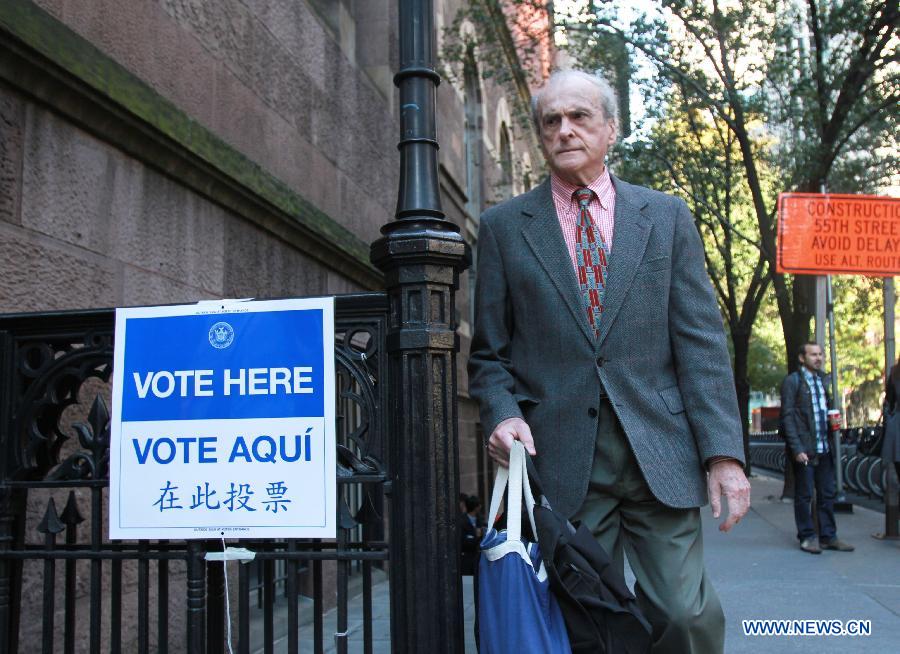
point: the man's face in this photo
(575, 135)
(813, 358)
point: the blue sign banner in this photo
(243, 365)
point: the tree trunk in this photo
(796, 314)
(795, 324)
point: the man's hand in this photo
(501, 440)
(727, 477)
(802, 458)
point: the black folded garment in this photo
(601, 614)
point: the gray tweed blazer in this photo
(661, 354)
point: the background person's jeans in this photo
(821, 478)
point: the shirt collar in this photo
(602, 186)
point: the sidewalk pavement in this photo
(759, 572)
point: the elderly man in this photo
(598, 344)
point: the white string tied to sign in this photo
(227, 554)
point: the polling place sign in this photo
(223, 421)
(826, 233)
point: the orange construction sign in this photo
(830, 234)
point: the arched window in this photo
(473, 135)
(472, 143)
(506, 164)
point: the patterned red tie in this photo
(592, 257)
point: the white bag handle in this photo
(516, 477)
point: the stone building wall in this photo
(273, 80)
(178, 150)
(92, 227)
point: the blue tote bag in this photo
(517, 612)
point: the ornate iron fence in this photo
(65, 585)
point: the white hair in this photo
(609, 103)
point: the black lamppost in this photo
(422, 254)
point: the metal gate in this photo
(64, 586)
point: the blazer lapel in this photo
(542, 233)
(630, 233)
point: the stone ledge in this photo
(44, 58)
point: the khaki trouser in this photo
(664, 547)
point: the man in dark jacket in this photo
(805, 402)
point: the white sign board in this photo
(223, 421)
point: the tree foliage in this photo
(859, 307)
(819, 79)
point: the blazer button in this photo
(592, 412)
(600, 362)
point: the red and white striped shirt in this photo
(602, 209)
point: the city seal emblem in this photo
(221, 335)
